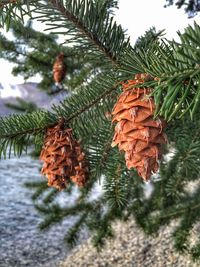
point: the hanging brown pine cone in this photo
(59, 69)
(63, 158)
(136, 132)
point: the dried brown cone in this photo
(63, 158)
(59, 69)
(137, 132)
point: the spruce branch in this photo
(105, 152)
(87, 24)
(178, 212)
(17, 126)
(14, 10)
(85, 20)
(175, 67)
(72, 235)
(79, 25)
(92, 103)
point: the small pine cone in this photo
(136, 132)
(63, 158)
(59, 69)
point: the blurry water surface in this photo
(21, 243)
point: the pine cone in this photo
(136, 132)
(59, 69)
(63, 158)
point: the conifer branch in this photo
(28, 120)
(95, 101)
(79, 25)
(105, 152)
(178, 211)
(31, 131)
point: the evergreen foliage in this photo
(109, 58)
(176, 65)
(22, 106)
(34, 53)
(191, 7)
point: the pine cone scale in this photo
(136, 102)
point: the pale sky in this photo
(136, 16)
